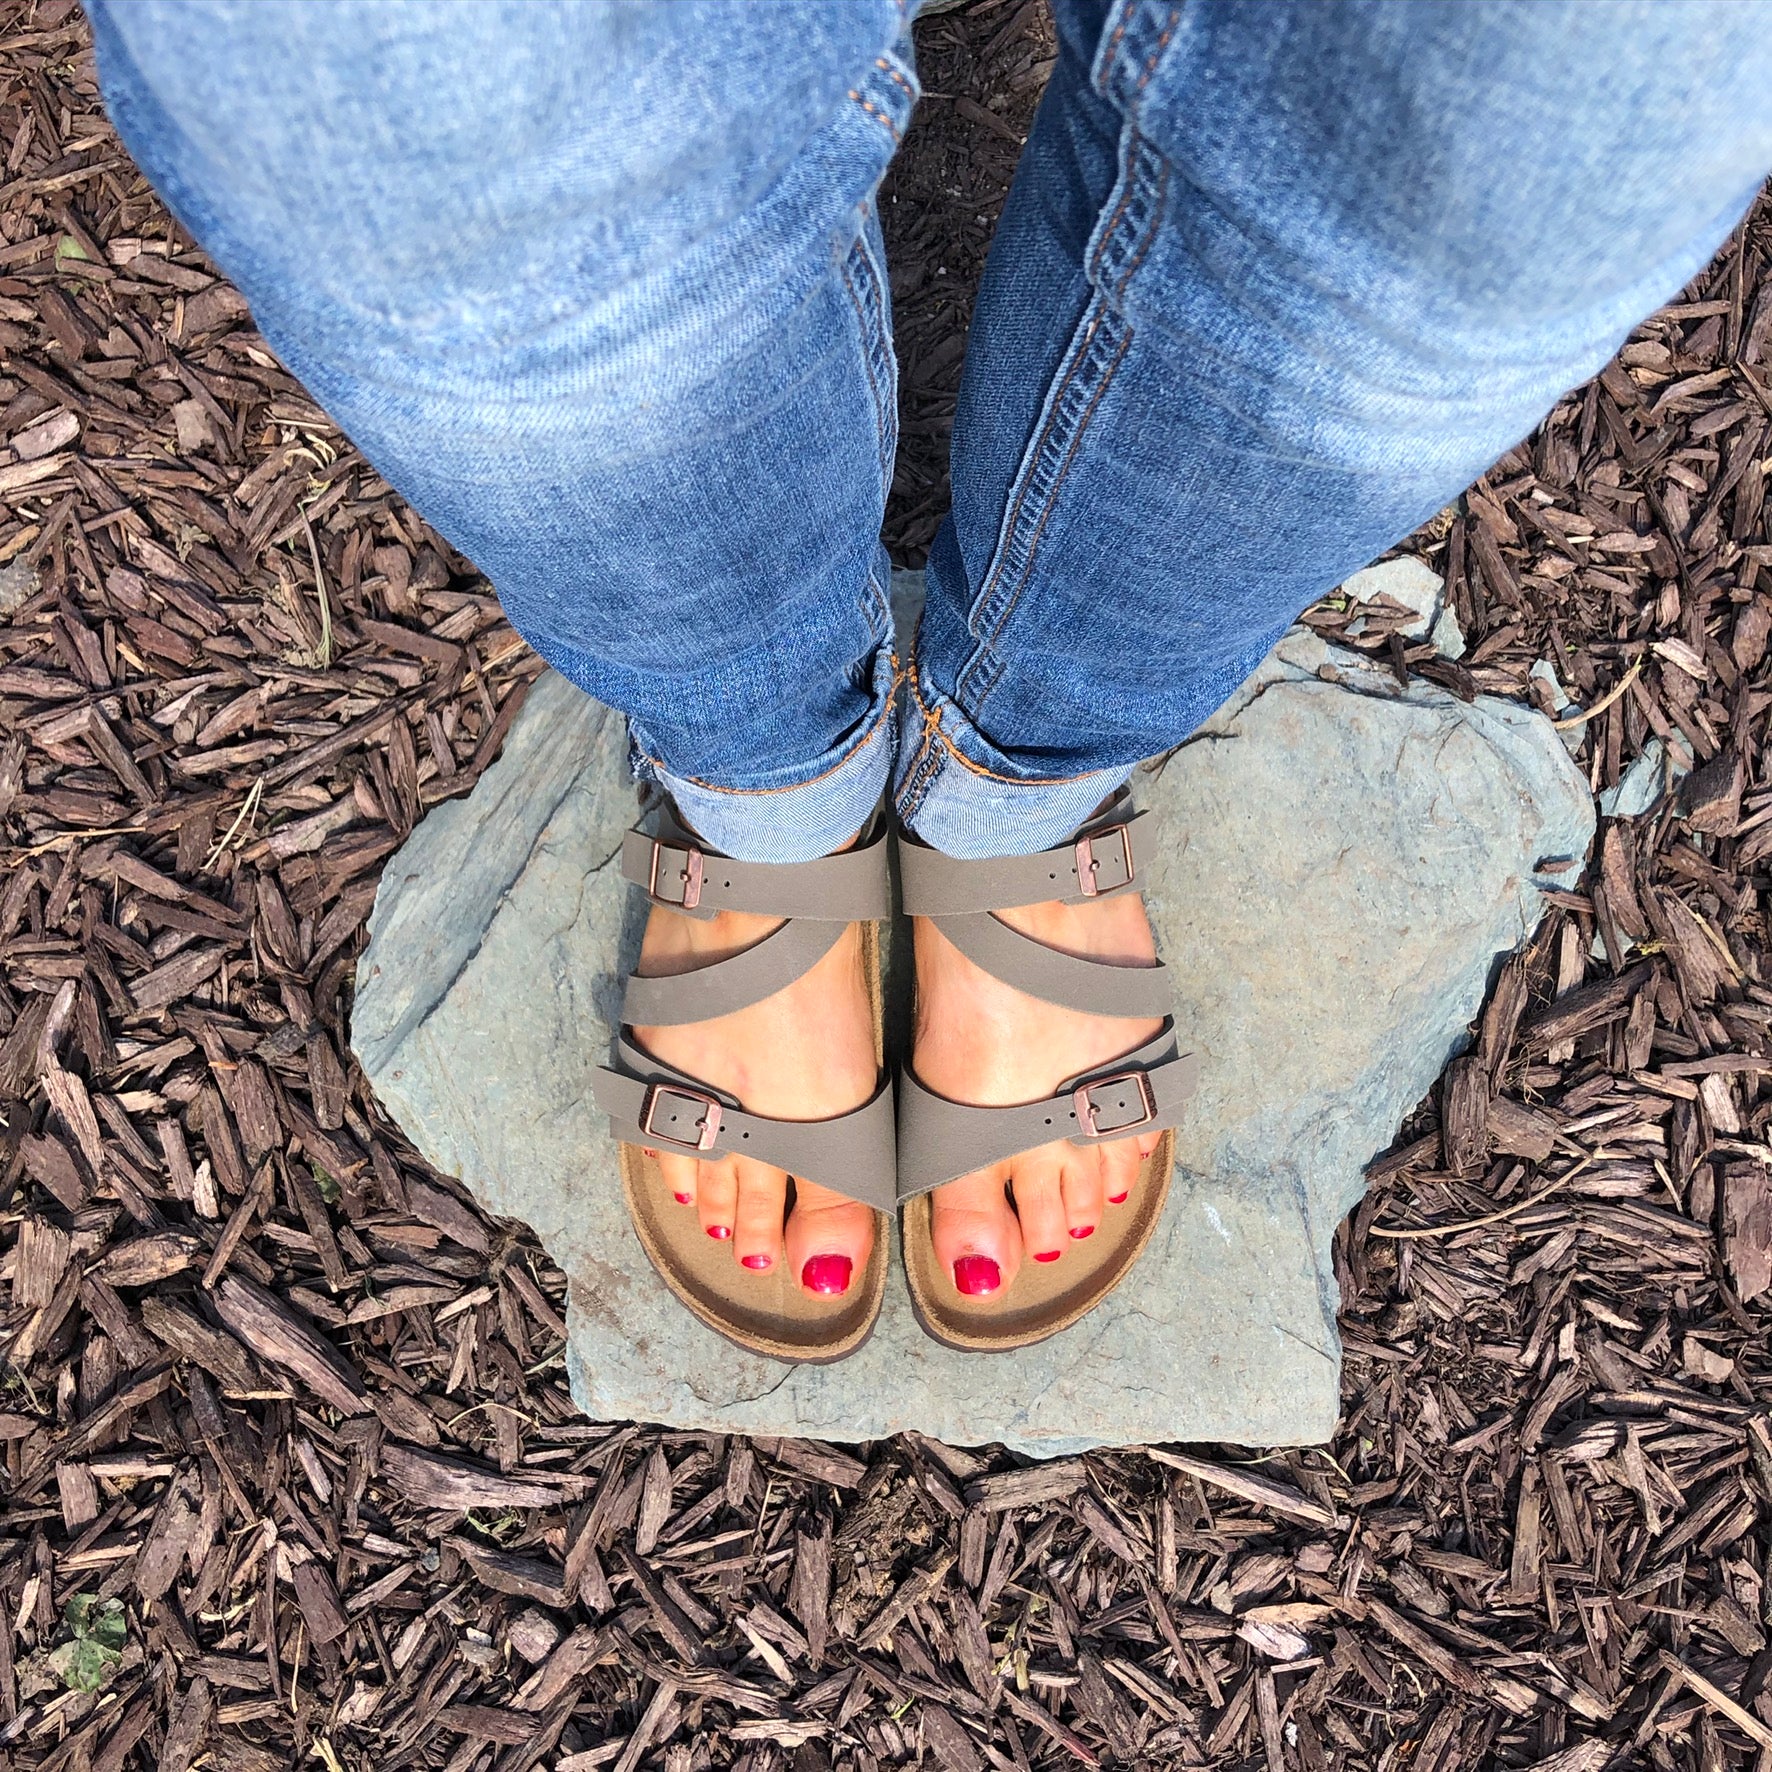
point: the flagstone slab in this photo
(1345, 862)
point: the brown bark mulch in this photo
(291, 1474)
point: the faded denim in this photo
(599, 288)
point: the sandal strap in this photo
(1092, 987)
(676, 869)
(940, 1140)
(726, 986)
(652, 1103)
(1105, 857)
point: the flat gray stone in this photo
(1346, 861)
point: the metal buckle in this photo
(1088, 865)
(689, 874)
(707, 1128)
(1089, 1115)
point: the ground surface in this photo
(290, 1470)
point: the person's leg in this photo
(598, 288)
(1273, 284)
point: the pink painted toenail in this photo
(975, 1274)
(828, 1274)
(724, 1231)
(1049, 1255)
(1116, 1199)
(684, 1199)
(1080, 1231)
(755, 1262)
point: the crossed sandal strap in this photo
(940, 1140)
(652, 1103)
(962, 897)
(1106, 856)
(677, 870)
(726, 986)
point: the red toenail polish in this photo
(1116, 1199)
(975, 1274)
(1049, 1255)
(1080, 1231)
(755, 1262)
(647, 1151)
(828, 1274)
(684, 1199)
(723, 1231)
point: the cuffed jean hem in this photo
(788, 820)
(963, 796)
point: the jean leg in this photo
(1273, 284)
(595, 286)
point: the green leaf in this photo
(91, 1656)
(328, 1187)
(68, 247)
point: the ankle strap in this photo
(678, 870)
(1106, 856)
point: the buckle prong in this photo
(690, 874)
(1087, 862)
(1089, 1115)
(707, 1128)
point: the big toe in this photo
(829, 1239)
(977, 1241)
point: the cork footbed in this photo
(764, 1313)
(1042, 1299)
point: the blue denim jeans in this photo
(599, 287)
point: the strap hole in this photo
(1048, 1119)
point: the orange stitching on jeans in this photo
(1150, 67)
(1151, 227)
(896, 77)
(1113, 47)
(932, 732)
(873, 110)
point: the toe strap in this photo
(940, 1140)
(652, 1103)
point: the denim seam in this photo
(933, 735)
(896, 77)
(881, 723)
(1062, 433)
(1113, 66)
(878, 115)
(868, 337)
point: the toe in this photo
(1039, 1201)
(716, 1196)
(1119, 1170)
(679, 1175)
(757, 1218)
(1083, 1194)
(829, 1239)
(976, 1237)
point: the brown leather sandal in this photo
(941, 1140)
(651, 1103)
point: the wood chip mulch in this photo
(291, 1474)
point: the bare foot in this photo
(806, 1053)
(980, 1040)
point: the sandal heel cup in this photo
(1146, 1089)
(652, 1104)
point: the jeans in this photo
(599, 287)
